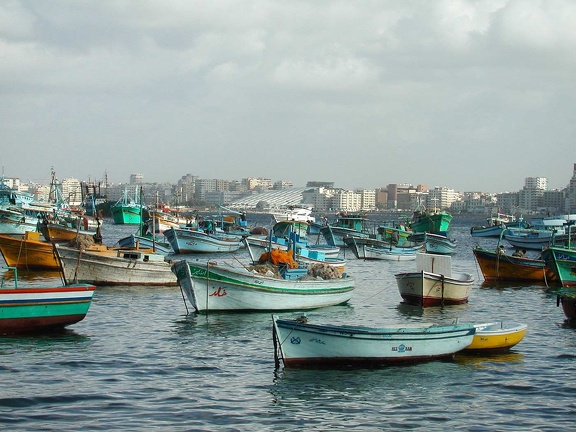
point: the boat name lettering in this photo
(220, 292)
(402, 348)
(318, 341)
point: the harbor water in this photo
(141, 360)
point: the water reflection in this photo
(433, 313)
(515, 285)
(472, 358)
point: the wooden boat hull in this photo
(216, 288)
(307, 345)
(185, 241)
(28, 252)
(568, 303)
(528, 239)
(35, 309)
(145, 242)
(115, 267)
(334, 236)
(439, 244)
(562, 261)
(431, 289)
(499, 267)
(496, 337)
(487, 231)
(55, 233)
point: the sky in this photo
(469, 95)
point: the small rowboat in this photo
(496, 336)
(300, 344)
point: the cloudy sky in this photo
(470, 95)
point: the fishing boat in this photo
(129, 208)
(497, 224)
(528, 238)
(28, 252)
(135, 241)
(433, 284)
(186, 241)
(567, 299)
(372, 249)
(163, 218)
(431, 221)
(302, 344)
(497, 266)
(42, 308)
(213, 287)
(16, 221)
(100, 265)
(562, 261)
(346, 225)
(494, 337)
(62, 232)
(291, 236)
(435, 243)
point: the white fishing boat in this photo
(433, 284)
(213, 287)
(301, 344)
(186, 241)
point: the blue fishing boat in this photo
(346, 225)
(373, 249)
(495, 225)
(186, 241)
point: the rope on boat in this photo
(75, 279)
(62, 275)
(275, 342)
(184, 300)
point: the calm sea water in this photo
(138, 361)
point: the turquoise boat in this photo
(562, 261)
(346, 225)
(36, 309)
(128, 209)
(430, 222)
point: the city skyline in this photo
(460, 94)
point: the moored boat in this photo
(109, 266)
(434, 221)
(436, 243)
(372, 249)
(28, 252)
(496, 266)
(434, 284)
(567, 299)
(497, 224)
(301, 344)
(494, 337)
(42, 308)
(562, 261)
(346, 225)
(129, 208)
(212, 287)
(186, 241)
